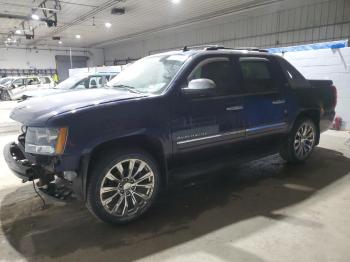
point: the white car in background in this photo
(74, 83)
(13, 88)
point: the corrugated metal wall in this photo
(269, 27)
(331, 65)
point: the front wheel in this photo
(300, 142)
(123, 186)
(5, 96)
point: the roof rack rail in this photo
(187, 48)
(219, 47)
(256, 49)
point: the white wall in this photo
(13, 58)
(331, 65)
(289, 22)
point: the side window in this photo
(32, 81)
(256, 75)
(18, 82)
(219, 70)
(81, 84)
(294, 78)
(45, 80)
(95, 82)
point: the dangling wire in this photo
(42, 199)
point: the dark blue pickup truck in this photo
(168, 116)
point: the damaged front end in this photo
(30, 167)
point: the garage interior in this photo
(265, 210)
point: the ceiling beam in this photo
(195, 20)
(88, 15)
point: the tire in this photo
(300, 145)
(5, 96)
(111, 183)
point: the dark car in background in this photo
(167, 116)
(74, 83)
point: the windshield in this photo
(5, 81)
(149, 75)
(70, 82)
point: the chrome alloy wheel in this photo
(304, 140)
(127, 187)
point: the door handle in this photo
(279, 102)
(234, 108)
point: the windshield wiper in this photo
(129, 88)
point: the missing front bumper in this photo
(17, 162)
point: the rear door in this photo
(46, 82)
(264, 101)
(33, 83)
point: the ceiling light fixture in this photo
(35, 17)
(117, 11)
(60, 42)
(77, 36)
(175, 1)
(108, 25)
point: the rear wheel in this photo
(123, 186)
(301, 141)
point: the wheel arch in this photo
(314, 115)
(149, 144)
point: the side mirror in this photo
(200, 87)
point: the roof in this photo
(105, 73)
(189, 51)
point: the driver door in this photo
(18, 86)
(207, 124)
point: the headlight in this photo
(45, 141)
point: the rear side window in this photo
(294, 78)
(256, 75)
(32, 81)
(45, 80)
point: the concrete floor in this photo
(262, 211)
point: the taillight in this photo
(335, 95)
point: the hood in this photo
(4, 87)
(36, 111)
(45, 92)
